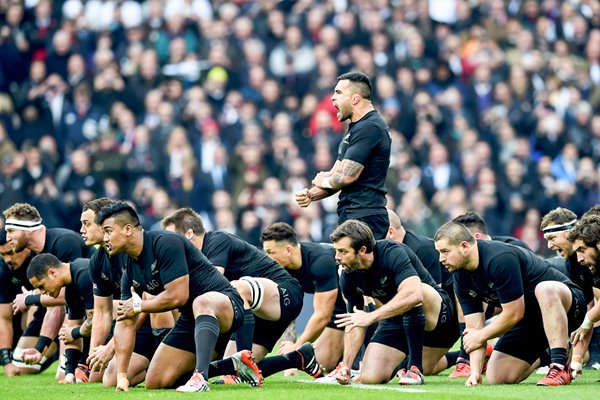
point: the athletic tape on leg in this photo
(258, 292)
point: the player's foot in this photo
(309, 360)
(246, 368)
(197, 383)
(330, 378)
(557, 375)
(488, 353)
(542, 370)
(82, 373)
(462, 369)
(228, 380)
(413, 376)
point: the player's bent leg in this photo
(136, 372)
(379, 363)
(168, 365)
(506, 369)
(432, 360)
(261, 295)
(554, 299)
(217, 305)
(329, 348)
(259, 352)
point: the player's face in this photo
(342, 100)
(345, 255)
(586, 255)
(13, 259)
(115, 236)
(18, 238)
(90, 232)
(557, 241)
(453, 257)
(280, 252)
(49, 284)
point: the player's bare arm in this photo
(409, 295)
(512, 312)
(176, 294)
(342, 175)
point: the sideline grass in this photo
(277, 387)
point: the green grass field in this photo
(282, 388)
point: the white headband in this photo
(567, 226)
(29, 226)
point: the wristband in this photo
(587, 324)
(326, 183)
(6, 356)
(137, 306)
(33, 300)
(42, 343)
(75, 332)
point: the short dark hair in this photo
(40, 264)
(280, 232)
(360, 83)
(96, 204)
(184, 219)
(121, 211)
(587, 230)
(359, 233)
(3, 237)
(472, 220)
(455, 233)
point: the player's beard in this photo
(19, 245)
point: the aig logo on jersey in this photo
(152, 285)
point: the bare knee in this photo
(372, 378)
(244, 291)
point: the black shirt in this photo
(368, 142)
(11, 281)
(239, 258)
(424, 248)
(511, 240)
(106, 273)
(392, 264)
(64, 244)
(581, 276)
(504, 273)
(78, 294)
(165, 257)
(318, 272)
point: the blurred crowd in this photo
(223, 106)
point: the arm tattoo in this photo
(350, 169)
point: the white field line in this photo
(367, 387)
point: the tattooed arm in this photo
(342, 174)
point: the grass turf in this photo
(301, 387)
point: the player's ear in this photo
(189, 234)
